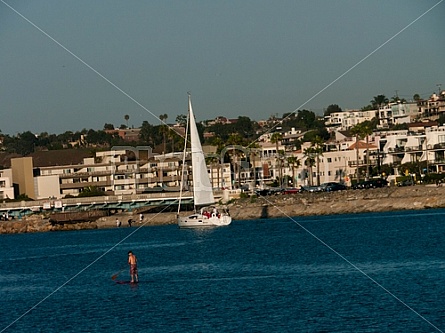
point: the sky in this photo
(73, 65)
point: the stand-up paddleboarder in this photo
(133, 262)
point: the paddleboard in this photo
(126, 282)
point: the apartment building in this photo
(120, 171)
(344, 120)
(401, 147)
(432, 107)
(6, 187)
(397, 113)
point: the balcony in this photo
(396, 150)
(413, 148)
(439, 146)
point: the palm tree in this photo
(126, 117)
(276, 138)
(172, 134)
(317, 145)
(310, 161)
(366, 131)
(361, 131)
(253, 154)
(213, 160)
(235, 142)
(163, 117)
(356, 132)
(294, 162)
(281, 157)
(379, 100)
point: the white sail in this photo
(202, 189)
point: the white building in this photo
(344, 120)
(397, 113)
(6, 187)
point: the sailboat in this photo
(203, 199)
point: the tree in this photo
(416, 97)
(25, 143)
(164, 129)
(181, 120)
(378, 101)
(332, 109)
(397, 99)
(317, 148)
(244, 126)
(126, 117)
(294, 162)
(146, 133)
(276, 138)
(309, 162)
(108, 126)
(213, 160)
(356, 132)
(366, 131)
(361, 131)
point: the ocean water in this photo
(379, 272)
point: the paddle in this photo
(113, 277)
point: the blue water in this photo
(380, 272)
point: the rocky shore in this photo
(358, 201)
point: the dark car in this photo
(312, 189)
(262, 192)
(372, 183)
(275, 190)
(406, 182)
(333, 186)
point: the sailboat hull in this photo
(202, 221)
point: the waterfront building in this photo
(6, 187)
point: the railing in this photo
(39, 204)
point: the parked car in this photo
(372, 183)
(406, 182)
(275, 190)
(333, 186)
(269, 191)
(262, 192)
(312, 189)
(291, 190)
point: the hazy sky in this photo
(237, 57)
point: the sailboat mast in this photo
(183, 155)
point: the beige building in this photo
(121, 171)
(23, 177)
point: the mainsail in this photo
(202, 189)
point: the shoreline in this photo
(291, 205)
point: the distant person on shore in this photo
(141, 217)
(130, 221)
(118, 223)
(133, 262)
